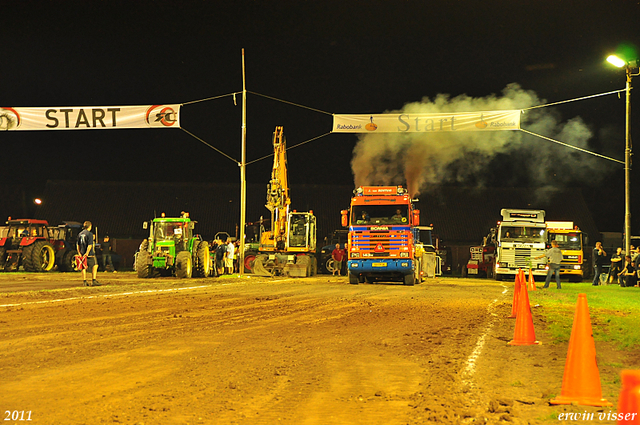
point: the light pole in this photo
(628, 66)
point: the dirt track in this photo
(254, 350)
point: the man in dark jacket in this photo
(599, 256)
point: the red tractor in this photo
(26, 243)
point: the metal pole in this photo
(243, 175)
(627, 169)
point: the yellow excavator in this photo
(289, 247)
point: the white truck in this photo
(522, 236)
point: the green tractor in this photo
(173, 249)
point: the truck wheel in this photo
(465, 271)
(490, 271)
(39, 257)
(184, 269)
(3, 257)
(353, 279)
(330, 265)
(409, 279)
(203, 260)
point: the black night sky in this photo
(336, 57)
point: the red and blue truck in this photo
(384, 237)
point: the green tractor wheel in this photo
(202, 259)
(144, 261)
(184, 266)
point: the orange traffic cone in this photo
(524, 333)
(581, 380)
(629, 401)
(532, 282)
(516, 295)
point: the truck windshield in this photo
(567, 241)
(380, 214)
(522, 234)
(167, 231)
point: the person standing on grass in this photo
(599, 255)
(87, 248)
(617, 261)
(554, 258)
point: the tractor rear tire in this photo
(184, 265)
(203, 259)
(68, 261)
(39, 257)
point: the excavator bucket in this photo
(258, 266)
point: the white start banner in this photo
(90, 117)
(425, 123)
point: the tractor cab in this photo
(168, 237)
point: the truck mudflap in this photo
(380, 266)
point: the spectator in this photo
(338, 255)
(617, 260)
(221, 251)
(599, 256)
(236, 265)
(228, 259)
(554, 258)
(628, 273)
(107, 262)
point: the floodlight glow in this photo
(616, 61)
(37, 201)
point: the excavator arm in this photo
(278, 199)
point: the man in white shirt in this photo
(228, 260)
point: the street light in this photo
(628, 66)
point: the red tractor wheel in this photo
(38, 257)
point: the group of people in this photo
(624, 268)
(226, 256)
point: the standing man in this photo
(228, 260)
(617, 260)
(598, 260)
(554, 258)
(87, 248)
(107, 263)
(338, 255)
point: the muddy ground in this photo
(246, 350)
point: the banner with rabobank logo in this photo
(90, 117)
(425, 123)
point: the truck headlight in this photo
(354, 265)
(576, 267)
